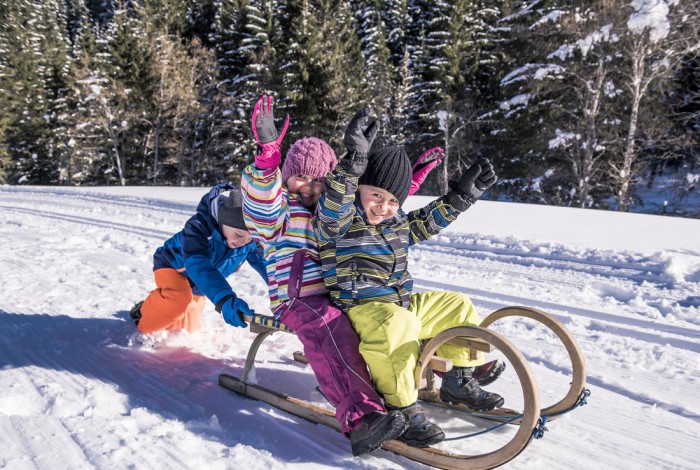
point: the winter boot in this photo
(421, 432)
(488, 373)
(375, 429)
(135, 312)
(458, 386)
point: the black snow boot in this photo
(421, 432)
(458, 386)
(135, 312)
(375, 429)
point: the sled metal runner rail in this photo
(479, 338)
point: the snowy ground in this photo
(80, 389)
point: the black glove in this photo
(471, 185)
(360, 134)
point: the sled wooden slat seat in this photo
(472, 343)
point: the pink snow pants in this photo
(333, 350)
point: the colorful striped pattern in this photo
(369, 263)
(283, 225)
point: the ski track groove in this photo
(150, 233)
(523, 263)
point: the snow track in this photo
(79, 388)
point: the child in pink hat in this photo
(278, 208)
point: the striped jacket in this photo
(369, 263)
(283, 225)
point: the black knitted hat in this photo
(231, 212)
(389, 168)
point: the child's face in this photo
(236, 237)
(378, 203)
(309, 189)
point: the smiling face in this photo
(378, 203)
(309, 189)
(235, 237)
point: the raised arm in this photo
(263, 196)
(464, 192)
(336, 206)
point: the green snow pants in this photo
(390, 338)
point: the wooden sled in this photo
(477, 339)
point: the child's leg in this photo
(438, 311)
(332, 349)
(389, 342)
(167, 303)
(192, 319)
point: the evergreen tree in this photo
(35, 81)
(554, 103)
(380, 74)
(323, 68)
(444, 65)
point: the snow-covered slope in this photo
(80, 389)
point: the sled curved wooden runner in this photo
(578, 363)
(531, 401)
(479, 338)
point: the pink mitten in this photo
(424, 165)
(265, 132)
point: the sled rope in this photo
(487, 430)
(540, 428)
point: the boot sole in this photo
(436, 439)
(489, 407)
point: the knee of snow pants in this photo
(390, 338)
(332, 349)
(439, 311)
(389, 342)
(171, 304)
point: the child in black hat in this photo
(194, 263)
(363, 242)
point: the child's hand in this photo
(478, 178)
(361, 133)
(265, 132)
(234, 309)
(424, 165)
(263, 122)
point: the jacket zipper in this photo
(354, 280)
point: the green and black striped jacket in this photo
(368, 263)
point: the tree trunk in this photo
(445, 160)
(591, 135)
(630, 151)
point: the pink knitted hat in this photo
(308, 156)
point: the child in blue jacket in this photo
(194, 263)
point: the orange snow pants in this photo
(171, 305)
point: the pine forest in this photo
(583, 104)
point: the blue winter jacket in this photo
(199, 250)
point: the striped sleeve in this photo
(430, 220)
(263, 202)
(336, 206)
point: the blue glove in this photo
(233, 309)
